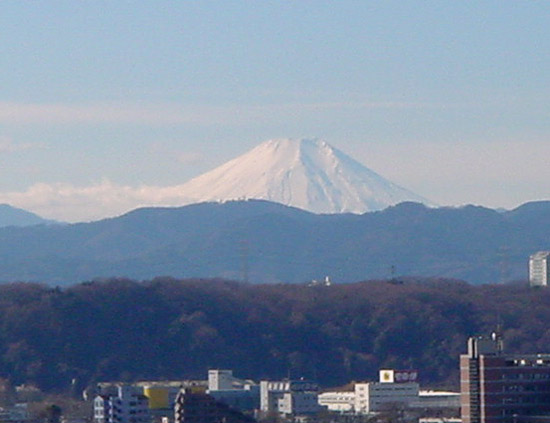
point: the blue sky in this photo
(102, 101)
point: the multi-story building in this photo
(289, 397)
(15, 414)
(437, 400)
(240, 394)
(127, 406)
(101, 409)
(501, 388)
(539, 270)
(161, 396)
(194, 405)
(396, 388)
(338, 401)
(221, 380)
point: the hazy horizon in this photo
(104, 102)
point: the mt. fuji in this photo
(308, 174)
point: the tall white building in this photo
(538, 268)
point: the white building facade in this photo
(243, 395)
(289, 397)
(220, 380)
(127, 406)
(538, 268)
(396, 388)
(338, 401)
(437, 400)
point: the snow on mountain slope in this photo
(309, 174)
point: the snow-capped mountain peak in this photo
(308, 174)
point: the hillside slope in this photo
(13, 216)
(172, 329)
(273, 243)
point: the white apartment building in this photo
(538, 268)
(289, 397)
(127, 406)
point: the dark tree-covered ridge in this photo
(171, 329)
(276, 243)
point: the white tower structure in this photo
(538, 268)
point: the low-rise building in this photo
(338, 401)
(396, 388)
(440, 420)
(161, 396)
(15, 414)
(194, 405)
(221, 380)
(434, 400)
(289, 397)
(240, 394)
(127, 406)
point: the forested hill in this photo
(281, 244)
(125, 330)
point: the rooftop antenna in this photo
(496, 336)
(504, 263)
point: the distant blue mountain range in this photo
(267, 242)
(12, 216)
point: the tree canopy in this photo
(174, 329)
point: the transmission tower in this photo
(244, 260)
